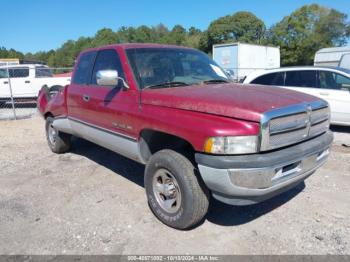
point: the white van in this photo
(26, 80)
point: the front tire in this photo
(176, 195)
(58, 141)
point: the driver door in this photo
(111, 108)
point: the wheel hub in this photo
(52, 134)
(166, 191)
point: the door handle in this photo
(6, 82)
(86, 98)
(324, 94)
(27, 81)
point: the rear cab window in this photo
(83, 70)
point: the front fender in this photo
(194, 127)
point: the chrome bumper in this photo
(243, 181)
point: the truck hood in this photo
(247, 102)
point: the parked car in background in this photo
(26, 80)
(329, 83)
(175, 110)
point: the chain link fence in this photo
(20, 85)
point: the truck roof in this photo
(137, 45)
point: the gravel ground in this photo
(92, 201)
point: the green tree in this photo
(145, 34)
(193, 38)
(177, 35)
(306, 30)
(11, 53)
(105, 36)
(65, 55)
(126, 34)
(205, 42)
(241, 26)
(161, 32)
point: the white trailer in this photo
(345, 61)
(241, 59)
(9, 61)
(330, 56)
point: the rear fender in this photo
(52, 100)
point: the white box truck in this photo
(240, 59)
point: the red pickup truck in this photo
(199, 135)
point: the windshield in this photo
(170, 67)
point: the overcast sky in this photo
(30, 26)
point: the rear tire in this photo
(176, 195)
(58, 141)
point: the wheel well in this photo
(48, 114)
(152, 141)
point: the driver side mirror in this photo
(109, 78)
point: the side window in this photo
(19, 72)
(41, 71)
(331, 80)
(276, 79)
(3, 73)
(306, 78)
(343, 82)
(107, 60)
(82, 73)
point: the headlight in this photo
(231, 145)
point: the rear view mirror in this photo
(107, 77)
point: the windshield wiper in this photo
(167, 84)
(215, 81)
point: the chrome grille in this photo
(319, 128)
(287, 138)
(319, 115)
(290, 125)
(287, 123)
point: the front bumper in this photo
(249, 179)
